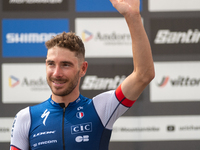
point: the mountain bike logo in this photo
(13, 81)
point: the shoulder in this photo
(23, 114)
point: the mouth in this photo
(58, 82)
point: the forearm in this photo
(141, 49)
(143, 71)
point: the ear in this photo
(84, 67)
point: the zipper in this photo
(63, 125)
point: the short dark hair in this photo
(68, 40)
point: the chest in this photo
(65, 128)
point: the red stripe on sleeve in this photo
(122, 99)
(14, 148)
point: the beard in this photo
(71, 85)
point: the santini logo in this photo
(13, 81)
(168, 37)
(95, 83)
(28, 37)
(180, 81)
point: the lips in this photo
(58, 82)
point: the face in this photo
(63, 71)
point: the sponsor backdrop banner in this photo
(26, 37)
(173, 5)
(104, 77)
(165, 116)
(96, 6)
(35, 5)
(24, 83)
(176, 81)
(5, 128)
(103, 38)
(175, 36)
(157, 128)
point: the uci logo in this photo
(84, 138)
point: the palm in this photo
(126, 6)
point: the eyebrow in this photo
(63, 62)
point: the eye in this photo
(50, 63)
(66, 64)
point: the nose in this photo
(58, 71)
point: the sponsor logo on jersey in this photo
(80, 108)
(93, 82)
(81, 128)
(45, 142)
(84, 138)
(44, 133)
(13, 126)
(80, 115)
(45, 116)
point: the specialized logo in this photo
(81, 128)
(45, 116)
(84, 138)
(86, 36)
(13, 81)
(80, 115)
(165, 36)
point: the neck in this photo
(67, 98)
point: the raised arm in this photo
(143, 71)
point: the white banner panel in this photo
(176, 81)
(104, 37)
(173, 5)
(156, 128)
(24, 83)
(5, 129)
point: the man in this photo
(68, 120)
